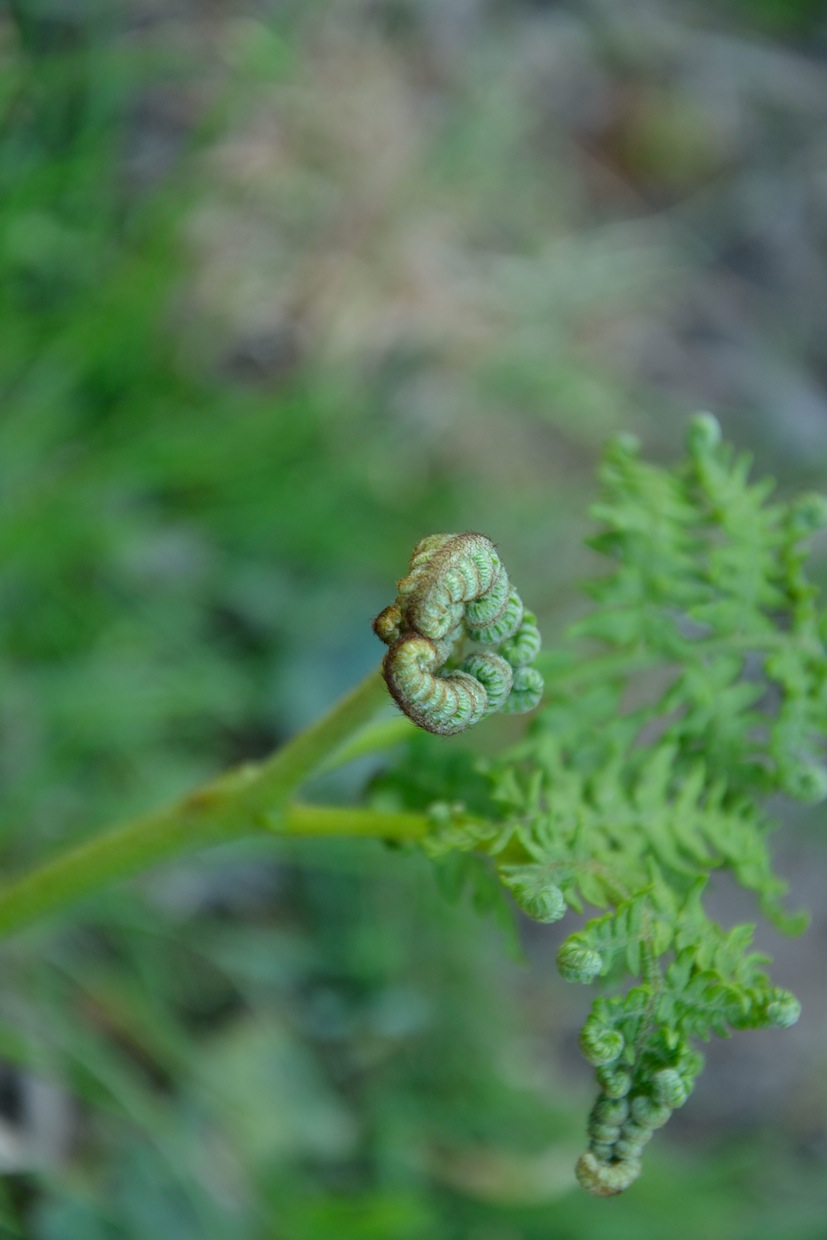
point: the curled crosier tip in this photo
(457, 589)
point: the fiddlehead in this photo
(457, 588)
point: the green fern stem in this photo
(195, 822)
(251, 800)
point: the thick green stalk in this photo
(137, 845)
(273, 781)
(250, 799)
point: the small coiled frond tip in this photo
(457, 590)
(603, 1179)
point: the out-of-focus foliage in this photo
(803, 18)
(280, 291)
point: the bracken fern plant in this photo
(691, 694)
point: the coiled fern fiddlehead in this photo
(457, 588)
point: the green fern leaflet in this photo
(693, 692)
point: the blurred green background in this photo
(283, 287)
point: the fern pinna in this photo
(693, 691)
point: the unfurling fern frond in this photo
(693, 691)
(457, 589)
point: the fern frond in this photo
(693, 691)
